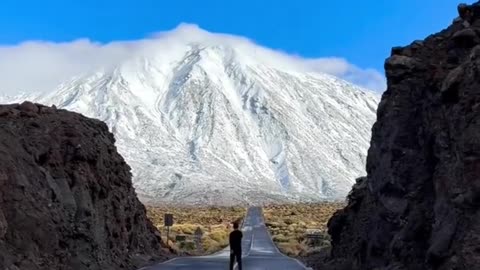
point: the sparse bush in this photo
(214, 222)
(288, 225)
(188, 246)
(219, 235)
(288, 221)
(210, 245)
(188, 229)
(280, 238)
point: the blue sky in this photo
(360, 31)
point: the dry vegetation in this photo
(290, 224)
(215, 222)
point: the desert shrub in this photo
(280, 238)
(213, 221)
(288, 225)
(185, 228)
(188, 246)
(210, 245)
(220, 236)
(288, 221)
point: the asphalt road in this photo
(259, 252)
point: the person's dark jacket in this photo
(236, 241)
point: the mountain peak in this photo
(210, 118)
(188, 40)
(221, 123)
(192, 34)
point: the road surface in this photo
(259, 252)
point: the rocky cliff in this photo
(418, 208)
(66, 197)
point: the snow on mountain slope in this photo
(221, 122)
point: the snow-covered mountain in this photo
(214, 121)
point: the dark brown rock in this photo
(66, 196)
(419, 206)
(452, 80)
(28, 106)
(47, 110)
(466, 38)
(397, 51)
(3, 225)
(464, 11)
(399, 61)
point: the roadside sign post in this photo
(168, 223)
(180, 238)
(198, 239)
(314, 236)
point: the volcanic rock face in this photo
(66, 197)
(419, 206)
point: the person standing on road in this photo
(235, 240)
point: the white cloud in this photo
(42, 65)
(368, 78)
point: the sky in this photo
(39, 39)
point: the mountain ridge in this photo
(209, 123)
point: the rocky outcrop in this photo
(66, 197)
(419, 207)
